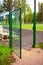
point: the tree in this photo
(17, 4)
(40, 12)
(29, 15)
(7, 4)
(1, 7)
(23, 5)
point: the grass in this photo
(39, 45)
(39, 27)
(5, 53)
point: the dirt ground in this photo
(31, 57)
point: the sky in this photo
(31, 3)
(1, 1)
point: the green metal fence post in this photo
(10, 29)
(20, 34)
(34, 25)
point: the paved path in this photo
(27, 38)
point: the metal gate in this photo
(16, 31)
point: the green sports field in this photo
(39, 27)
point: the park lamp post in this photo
(34, 25)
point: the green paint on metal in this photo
(1, 20)
(20, 34)
(34, 25)
(10, 29)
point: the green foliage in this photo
(5, 52)
(40, 12)
(39, 45)
(28, 16)
(28, 8)
(7, 4)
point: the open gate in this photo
(11, 26)
(16, 31)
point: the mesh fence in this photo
(16, 30)
(16, 37)
(4, 26)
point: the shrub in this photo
(39, 45)
(5, 52)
